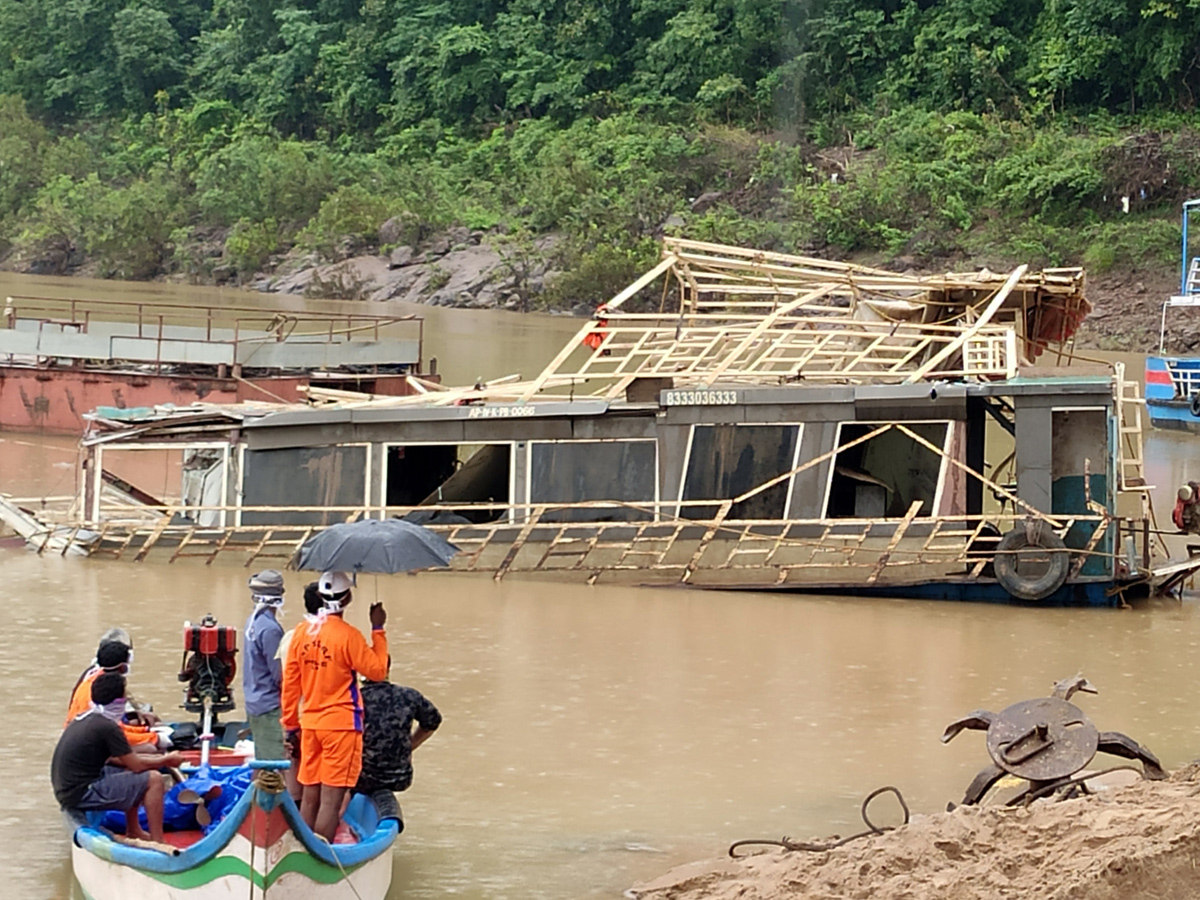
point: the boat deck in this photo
(107, 333)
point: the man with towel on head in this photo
(262, 671)
(324, 660)
(116, 647)
(114, 656)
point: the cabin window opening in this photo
(449, 475)
(142, 480)
(726, 461)
(998, 461)
(882, 477)
(303, 482)
(202, 486)
(585, 471)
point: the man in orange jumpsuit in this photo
(112, 657)
(321, 673)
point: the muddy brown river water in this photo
(593, 736)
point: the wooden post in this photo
(91, 485)
(1145, 543)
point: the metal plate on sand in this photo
(1042, 739)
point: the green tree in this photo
(149, 55)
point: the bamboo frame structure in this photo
(753, 317)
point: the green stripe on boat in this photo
(295, 861)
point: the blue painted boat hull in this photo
(1091, 593)
(1171, 383)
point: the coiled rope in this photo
(816, 847)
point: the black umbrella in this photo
(374, 545)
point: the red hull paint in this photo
(216, 757)
(263, 829)
(53, 401)
(1158, 376)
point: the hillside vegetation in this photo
(204, 138)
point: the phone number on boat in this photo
(701, 398)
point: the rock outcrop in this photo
(459, 268)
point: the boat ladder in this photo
(1131, 460)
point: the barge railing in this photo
(158, 334)
(655, 539)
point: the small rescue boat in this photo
(260, 848)
(246, 839)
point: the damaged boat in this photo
(733, 419)
(60, 358)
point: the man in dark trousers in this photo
(94, 768)
(389, 713)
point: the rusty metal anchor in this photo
(1045, 741)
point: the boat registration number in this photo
(701, 398)
(500, 412)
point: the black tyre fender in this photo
(1024, 587)
(1194, 406)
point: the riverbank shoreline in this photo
(466, 269)
(1141, 840)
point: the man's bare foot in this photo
(134, 830)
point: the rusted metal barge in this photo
(756, 421)
(61, 358)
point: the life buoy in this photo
(1195, 405)
(1026, 587)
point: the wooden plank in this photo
(768, 322)
(667, 262)
(163, 522)
(519, 542)
(1003, 492)
(187, 539)
(710, 532)
(897, 536)
(984, 317)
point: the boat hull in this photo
(261, 848)
(53, 400)
(1093, 594)
(1172, 384)
(284, 868)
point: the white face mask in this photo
(115, 710)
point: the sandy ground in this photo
(1138, 841)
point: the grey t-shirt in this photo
(85, 746)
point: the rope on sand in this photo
(817, 847)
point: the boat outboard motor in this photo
(209, 665)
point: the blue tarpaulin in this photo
(179, 816)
